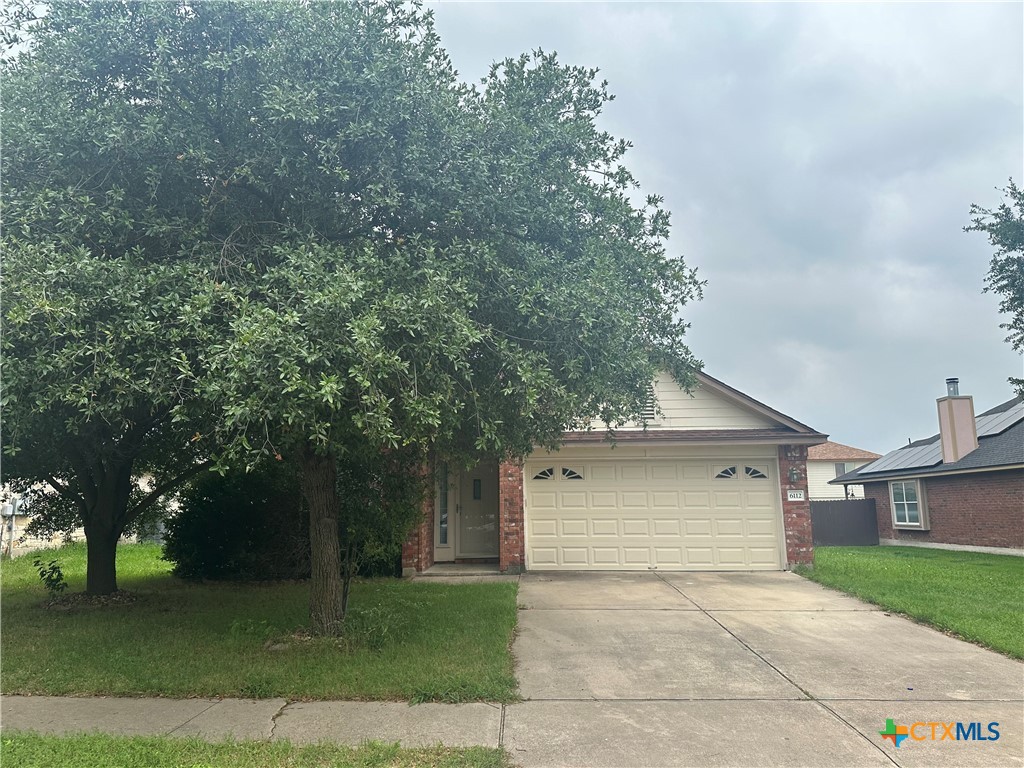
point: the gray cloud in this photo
(819, 161)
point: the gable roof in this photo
(830, 451)
(1000, 446)
(777, 429)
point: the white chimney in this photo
(957, 430)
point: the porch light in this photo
(794, 474)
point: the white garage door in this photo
(644, 514)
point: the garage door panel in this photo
(634, 499)
(697, 526)
(733, 556)
(700, 556)
(606, 556)
(636, 528)
(667, 528)
(761, 527)
(695, 472)
(574, 527)
(636, 555)
(632, 472)
(696, 500)
(543, 528)
(729, 527)
(575, 555)
(668, 555)
(637, 514)
(665, 499)
(663, 472)
(540, 500)
(726, 499)
(758, 500)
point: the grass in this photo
(405, 640)
(975, 596)
(28, 750)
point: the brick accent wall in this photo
(796, 515)
(418, 549)
(984, 509)
(511, 518)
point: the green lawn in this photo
(27, 750)
(416, 641)
(978, 597)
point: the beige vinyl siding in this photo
(702, 409)
(820, 473)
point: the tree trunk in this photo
(101, 561)
(326, 613)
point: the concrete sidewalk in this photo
(343, 722)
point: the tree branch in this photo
(164, 487)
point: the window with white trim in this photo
(908, 504)
(842, 467)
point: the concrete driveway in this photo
(743, 669)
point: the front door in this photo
(466, 513)
(477, 512)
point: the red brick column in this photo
(511, 518)
(796, 515)
(418, 549)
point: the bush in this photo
(254, 526)
(246, 526)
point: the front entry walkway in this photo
(743, 669)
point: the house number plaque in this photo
(794, 495)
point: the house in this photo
(717, 481)
(830, 460)
(961, 488)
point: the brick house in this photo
(963, 487)
(716, 481)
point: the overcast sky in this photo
(819, 161)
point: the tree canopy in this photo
(1004, 226)
(372, 253)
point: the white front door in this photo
(466, 513)
(477, 512)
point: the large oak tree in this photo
(403, 261)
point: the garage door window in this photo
(571, 474)
(755, 473)
(545, 474)
(726, 474)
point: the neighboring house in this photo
(830, 460)
(963, 487)
(717, 481)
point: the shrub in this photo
(243, 525)
(254, 526)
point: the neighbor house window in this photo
(908, 507)
(842, 467)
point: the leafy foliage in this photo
(347, 250)
(52, 576)
(1005, 229)
(243, 525)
